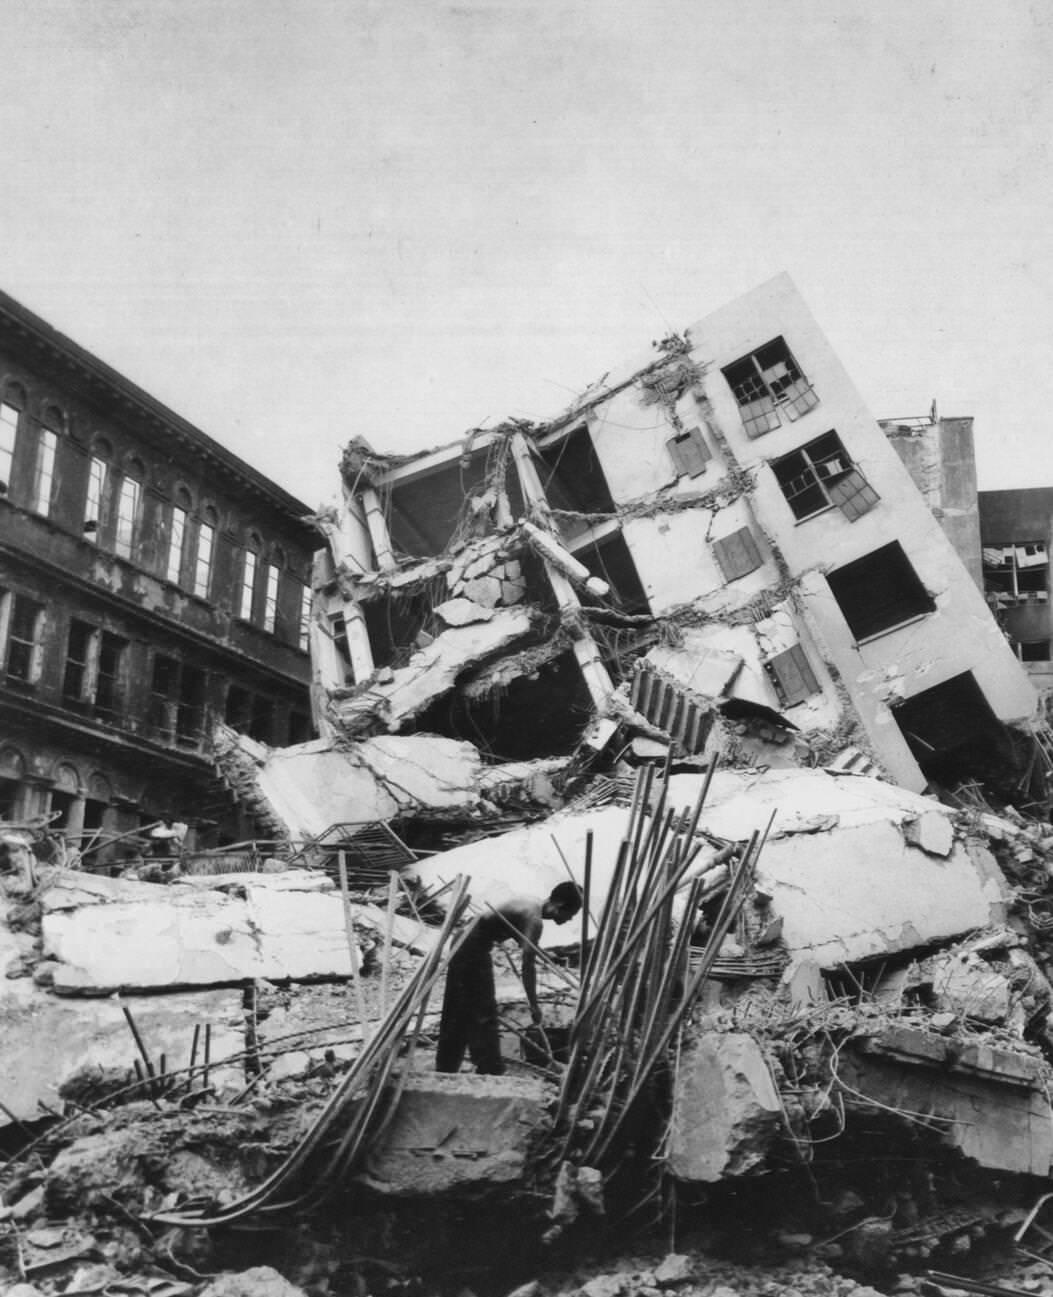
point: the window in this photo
(78, 655)
(766, 381)
(206, 535)
(1016, 573)
(792, 675)
(821, 475)
(300, 730)
(44, 475)
(737, 554)
(127, 515)
(24, 640)
(177, 702)
(270, 602)
(261, 725)
(1036, 650)
(248, 585)
(176, 537)
(305, 618)
(8, 436)
(238, 710)
(107, 676)
(97, 475)
(879, 591)
(689, 452)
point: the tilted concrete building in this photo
(716, 542)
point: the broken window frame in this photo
(761, 392)
(44, 471)
(825, 467)
(178, 702)
(875, 577)
(737, 554)
(9, 415)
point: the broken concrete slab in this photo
(726, 1109)
(307, 788)
(433, 670)
(990, 1103)
(458, 1132)
(837, 866)
(114, 934)
(49, 1040)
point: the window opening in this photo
(190, 713)
(766, 382)
(248, 585)
(300, 730)
(107, 679)
(127, 516)
(821, 475)
(78, 657)
(1036, 650)
(270, 603)
(8, 436)
(238, 710)
(163, 693)
(261, 726)
(203, 566)
(96, 491)
(176, 536)
(44, 478)
(24, 645)
(879, 591)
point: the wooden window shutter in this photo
(737, 554)
(689, 452)
(794, 678)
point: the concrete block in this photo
(456, 1132)
(726, 1109)
(968, 987)
(485, 590)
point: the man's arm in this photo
(524, 918)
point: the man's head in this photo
(564, 901)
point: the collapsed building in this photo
(701, 642)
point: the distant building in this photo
(151, 582)
(759, 562)
(1017, 533)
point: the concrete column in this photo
(359, 647)
(597, 680)
(378, 530)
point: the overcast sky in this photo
(298, 221)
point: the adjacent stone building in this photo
(151, 582)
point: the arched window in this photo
(128, 506)
(249, 564)
(270, 598)
(12, 403)
(206, 541)
(12, 772)
(51, 426)
(98, 481)
(181, 509)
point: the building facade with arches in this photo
(151, 584)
